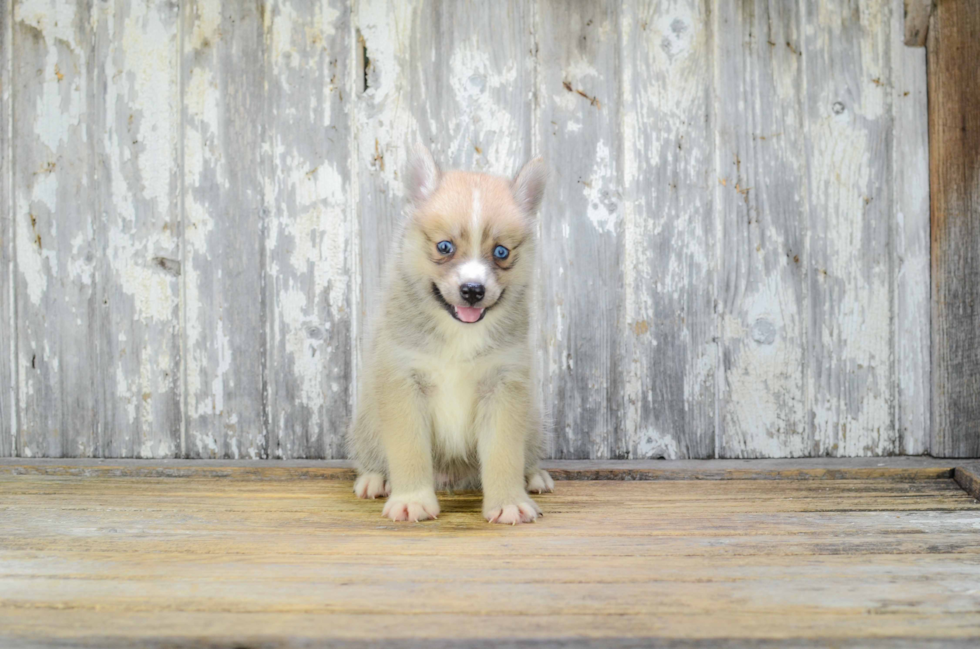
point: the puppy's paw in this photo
(521, 510)
(540, 482)
(371, 485)
(413, 507)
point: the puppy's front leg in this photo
(502, 424)
(407, 438)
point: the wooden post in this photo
(954, 161)
(917, 22)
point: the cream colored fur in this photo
(441, 400)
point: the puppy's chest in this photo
(452, 395)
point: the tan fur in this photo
(440, 397)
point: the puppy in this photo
(447, 384)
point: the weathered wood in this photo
(381, 99)
(892, 642)
(578, 132)
(669, 351)
(850, 275)
(59, 234)
(968, 477)
(916, 24)
(135, 123)
(760, 197)
(8, 320)
(895, 468)
(196, 469)
(310, 272)
(954, 165)
(258, 563)
(910, 264)
(197, 209)
(224, 212)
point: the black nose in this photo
(472, 293)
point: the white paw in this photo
(371, 485)
(540, 482)
(414, 507)
(522, 510)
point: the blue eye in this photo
(501, 253)
(445, 247)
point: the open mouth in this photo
(467, 314)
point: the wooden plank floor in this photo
(103, 560)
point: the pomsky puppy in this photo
(447, 386)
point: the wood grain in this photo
(911, 306)
(760, 197)
(8, 319)
(954, 167)
(198, 204)
(890, 642)
(578, 134)
(896, 468)
(916, 21)
(669, 353)
(385, 125)
(850, 278)
(134, 560)
(59, 232)
(968, 477)
(309, 273)
(136, 128)
(224, 212)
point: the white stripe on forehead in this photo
(475, 213)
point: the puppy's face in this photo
(469, 241)
(470, 238)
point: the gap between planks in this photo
(965, 473)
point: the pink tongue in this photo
(468, 313)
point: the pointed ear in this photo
(528, 186)
(423, 175)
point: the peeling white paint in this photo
(31, 261)
(603, 205)
(56, 22)
(390, 125)
(866, 367)
(482, 120)
(652, 444)
(764, 387)
(151, 59)
(206, 24)
(668, 252)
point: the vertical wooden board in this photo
(577, 132)
(138, 138)
(223, 89)
(760, 201)
(669, 230)
(472, 73)
(385, 124)
(848, 155)
(910, 185)
(8, 323)
(309, 236)
(954, 172)
(457, 76)
(58, 229)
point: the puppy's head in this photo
(470, 235)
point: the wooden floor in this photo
(97, 558)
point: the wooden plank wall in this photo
(198, 198)
(954, 138)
